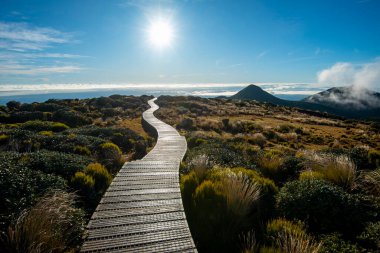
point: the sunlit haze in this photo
(160, 33)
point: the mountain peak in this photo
(254, 92)
(350, 97)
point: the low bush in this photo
(100, 174)
(38, 126)
(81, 150)
(84, 184)
(326, 208)
(370, 237)
(334, 243)
(58, 163)
(374, 157)
(46, 133)
(110, 155)
(21, 186)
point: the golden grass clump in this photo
(289, 237)
(240, 193)
(338, 169)
(51, 225)
(289, 243)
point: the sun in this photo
(160, 33)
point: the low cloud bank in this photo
(360, 80)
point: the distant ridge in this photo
(345, 102)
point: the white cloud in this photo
(17, 69)
(360, 76)
(21, 36)
(22, 50)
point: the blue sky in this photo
(322, 43)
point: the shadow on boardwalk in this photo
(142, 209)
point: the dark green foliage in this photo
(85, 186)
(37, 126)
(186, 124)
(71, 118)
(334, 243)
(100, 175)
(20, 117)
(42, 107)
(374, 158)
(12, 105)
(290, 169)
(21, 186)
(370, 238)
(110, 155)
(57, 163)
(219, 153)
(123, 137)
(325, 207)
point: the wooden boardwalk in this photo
(142, 209)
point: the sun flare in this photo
(160, 33)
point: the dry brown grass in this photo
(240, 192)
(370, 182)
(290, 243)
(46, 227)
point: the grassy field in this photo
(264, 178)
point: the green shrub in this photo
(59, 127)
(186, 124)
(110, 155)
(58, 163)
(4, 139)
(188, 185)
(38, 126)
(21, 186)
(100, 174)
(333, 243)
(325, 207)
(84, 184)
(81, 150)
(370, 237)
(46, 133)
(210, 205)
(71, 118)
(374, 157)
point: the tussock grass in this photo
(52, 225)
(289, 237)
(338, 169)
(240, 193)
(249, 243)
(369, 181)
(200, 165)
(290, 243)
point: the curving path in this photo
(142, 209)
